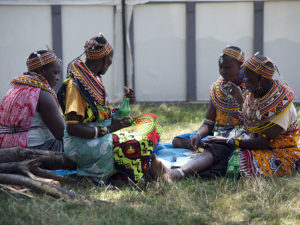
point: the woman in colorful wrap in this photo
(221, 118)
(222, 113)
(29, 112)
(98, 142)
(270, 119)
(269, 146)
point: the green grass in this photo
(191, 201)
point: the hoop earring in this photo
(241, 75)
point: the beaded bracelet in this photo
(96, 132)
(237, 142)
(231, 142)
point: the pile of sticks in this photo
(27, 168)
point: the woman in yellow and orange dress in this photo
(222, 113)
(98, 142)
(222, 117)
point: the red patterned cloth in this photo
(17, 109)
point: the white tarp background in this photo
(26, 26)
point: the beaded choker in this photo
(223, 101)
(261, 113)
(94, 86)
(34, 80)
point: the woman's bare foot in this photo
(162, 173)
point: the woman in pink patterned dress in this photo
(29, 112)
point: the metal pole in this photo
(124, 41)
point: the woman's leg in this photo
(181, 143)
(197, 164)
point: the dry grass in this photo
(191, 201)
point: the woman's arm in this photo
(205, 128)
(262, 141)
(75, 128)
(50, 114)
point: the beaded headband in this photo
(40, 60)
(257, 63)
(92, 52)
(234, 53)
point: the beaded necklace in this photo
(86, 77)
(261, 113)
(221, 99)
(34, 80)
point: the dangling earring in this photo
(241, 75)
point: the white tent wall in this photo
(79, 23)
(282, 40)
(24, 29)
(26, 26)
(219, 25)
(158, 67)
(159, 43)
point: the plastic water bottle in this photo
(233, 166)
(124, 109)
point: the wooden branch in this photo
(47, 159)
(43, 187)
(18, 167)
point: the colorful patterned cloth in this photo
(17, 109)
(260, 114)
(126, 151)
(133, 145)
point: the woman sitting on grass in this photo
(270, 146)
(98, 142)
(29, 112)
(221, 117)
(222, 113)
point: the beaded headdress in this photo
(40, 60)
(234, 53)
(257, 63)
(96, 50)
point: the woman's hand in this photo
(129, 93)
(117, 124)
(196, 142)
(236, 92)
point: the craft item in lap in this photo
(29, 112)
(95, 139)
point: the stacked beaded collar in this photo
(223, 101)
(92, 52)
(95, 87)
(257, 63)
(261, 113)
(40, 60)
(34, 80)
(236, 54)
